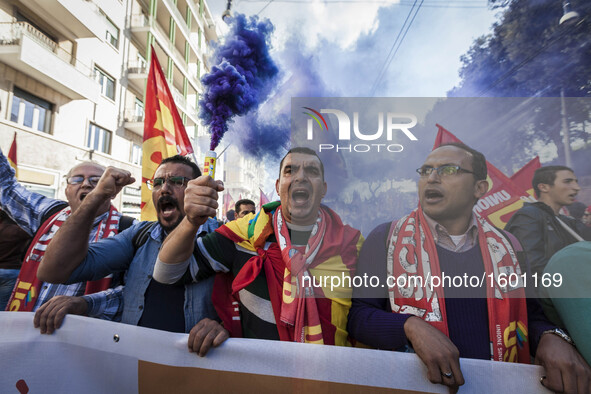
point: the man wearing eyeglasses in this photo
(443, 321)
(145, 302)
(244, 207)
(40, 217)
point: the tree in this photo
(528, 54)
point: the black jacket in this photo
(541, 235)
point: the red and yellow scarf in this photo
(412, 252)
(27, 287)
(303, 313)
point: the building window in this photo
(136, 154)
(139, 110)
(112, 34)
(99, 139)
(30, 111)
(106, 81)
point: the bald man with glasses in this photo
(40, 217)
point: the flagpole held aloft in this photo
(164, 132)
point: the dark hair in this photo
(547, 176)
(183, 160)
(244, 201)
(576, 210)
(231, 215)
(478, 159)
(306, 151)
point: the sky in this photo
(342, 48)
(349, 41)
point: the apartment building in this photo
(241, 174)
(73, 75)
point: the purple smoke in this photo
(243, 78)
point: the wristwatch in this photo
(559, 332)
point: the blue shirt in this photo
(28, 209)
(116, 254)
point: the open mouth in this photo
(83, 195)
(167, 206)
(300, 196)
(433, 195)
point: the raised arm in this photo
(25, 207)
(201, 198)
(70, 244)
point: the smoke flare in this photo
(243, 77)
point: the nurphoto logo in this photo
(395, 123)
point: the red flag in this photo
(262, 200)
(525, 174)
(164, 132)
(12, 156)
(228, 203)
(504, 196)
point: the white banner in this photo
(94, 356)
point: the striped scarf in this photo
(26, 290)
(321, 316)
(412, 253)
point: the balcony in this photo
(78, 17)
(181, 103)
(33, 53)
(137, 73)
(141, 25)
(133, 121)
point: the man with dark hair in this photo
(441, 320)
(146, 303)
(272, 257)
(244, 207)
(539, 226)
(40, 217)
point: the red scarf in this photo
(300, 309)
(27, 287)
(312, 318)
(412, 252)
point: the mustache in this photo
(167, 200)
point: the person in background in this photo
(244, 207)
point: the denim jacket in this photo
(116, 254)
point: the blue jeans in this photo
(7, 281)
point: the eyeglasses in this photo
(174, 181)
(444, 170)
(79, 179)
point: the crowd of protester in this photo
(183, 273)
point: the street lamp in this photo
(568, 18)
(568, 15)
